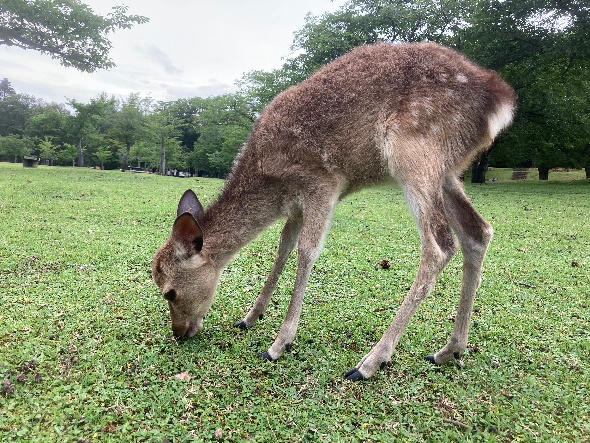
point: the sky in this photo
(188, 48)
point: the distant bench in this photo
(519, 173)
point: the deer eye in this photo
(170, 295)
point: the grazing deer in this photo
(417, 114)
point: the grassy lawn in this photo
(87, 355)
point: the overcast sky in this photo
(188, 48)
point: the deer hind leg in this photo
(438, 246)
(474, 235)
(317, 213)
(288, 240)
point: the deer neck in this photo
(242, 211)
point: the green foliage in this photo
(47, 150)
(103, 154)
(51, 121)
(224, 123)
(326, 37)
(15, 112)
(85, 339)
(260, 87)
(6, 88)
(130, 124)
(66, 154)
(90, 123)
(14, 147)
(67, 30)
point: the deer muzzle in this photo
(186, 328)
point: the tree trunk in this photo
(162, 157)
(543, 172)
(126, 157)
(80, 154)
(480, 167)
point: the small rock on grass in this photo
(218, 435)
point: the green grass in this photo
(87, 355)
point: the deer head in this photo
(184, 272)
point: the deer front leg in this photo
(289, 237)
(288, 329)
(316, 219)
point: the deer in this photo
(415, 115)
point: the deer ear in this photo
(187, 233)
(191, 204)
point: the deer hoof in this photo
(430, 358)
(265, 356)
(241, 324)
(354, 375)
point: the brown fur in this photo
(415, 113)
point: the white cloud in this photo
(189, 48)
(155, 55)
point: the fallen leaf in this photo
(183, 376)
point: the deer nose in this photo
(179, 331)
(187, 330)
(193, 329)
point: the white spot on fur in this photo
(500, 119)
(461, 78)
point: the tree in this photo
(129, 123)
(6, 88)
(66, 154)
(50, 122)
(183, 114)
(260, 87)
(90, 122)
(47, 150)
(224, 124)
(162, 127)
(15, 112)
(103, 154)
(14, 147)
(144, 153)
(67, 30)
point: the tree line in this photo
(538, 46)
(201, 135)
